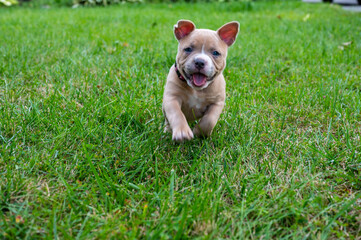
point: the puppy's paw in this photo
(182, 134)
(201, 133)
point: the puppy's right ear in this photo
(183, 28)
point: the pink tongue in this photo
(199, 79)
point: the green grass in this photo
(83, 154)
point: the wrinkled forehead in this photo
(203, 37)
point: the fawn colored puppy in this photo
(195, 87)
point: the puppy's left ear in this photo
(228, 32)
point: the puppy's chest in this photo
(196, 102)
(195, 106)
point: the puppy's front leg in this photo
(177, 121)
(205, 126)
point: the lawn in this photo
(82, 149)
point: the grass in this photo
(83, 155)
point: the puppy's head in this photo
(202, 53)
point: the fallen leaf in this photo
(19, 219)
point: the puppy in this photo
(195, 87)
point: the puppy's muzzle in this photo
(199, 63)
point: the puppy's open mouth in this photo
(199, 79)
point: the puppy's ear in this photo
(228, 32)
(183, 28)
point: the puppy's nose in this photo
(199, 63)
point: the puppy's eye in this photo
(216, 53)
(188, 50)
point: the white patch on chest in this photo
(195, 102)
